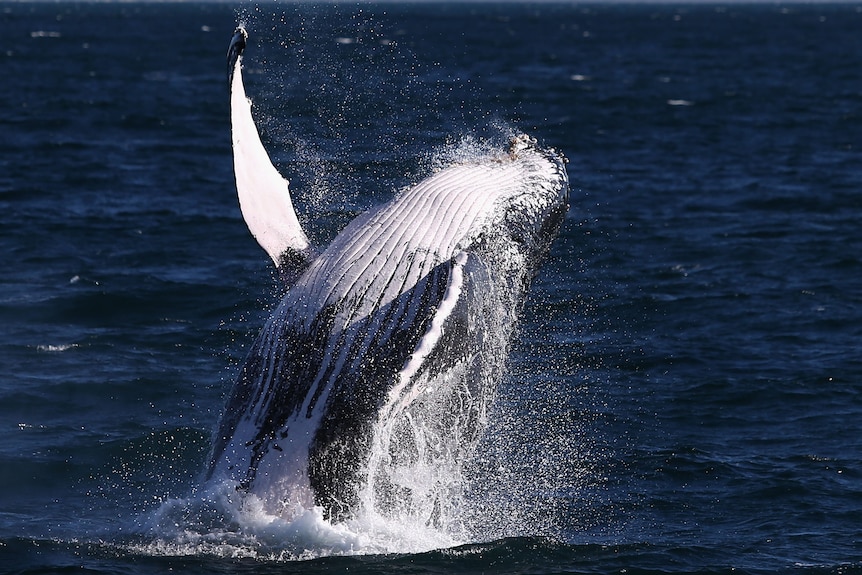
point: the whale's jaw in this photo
(368, 387)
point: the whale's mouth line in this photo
(368, 388)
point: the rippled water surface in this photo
(684, 391)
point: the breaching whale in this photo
(385, 350)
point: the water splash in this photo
(473, 146)
(224, 522)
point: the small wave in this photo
(78, 279)
(48, 348)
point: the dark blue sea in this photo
(684, 393)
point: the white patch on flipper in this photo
(264, 196)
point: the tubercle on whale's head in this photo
(521, 142)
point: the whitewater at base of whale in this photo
(223, 522)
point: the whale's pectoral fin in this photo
(264, 195)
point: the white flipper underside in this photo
(264, 197)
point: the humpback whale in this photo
(385, 350)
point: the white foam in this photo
(49, 348)
(224, 522)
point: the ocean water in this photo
(684, 394)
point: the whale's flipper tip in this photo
(237, 43)
(234, 51)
